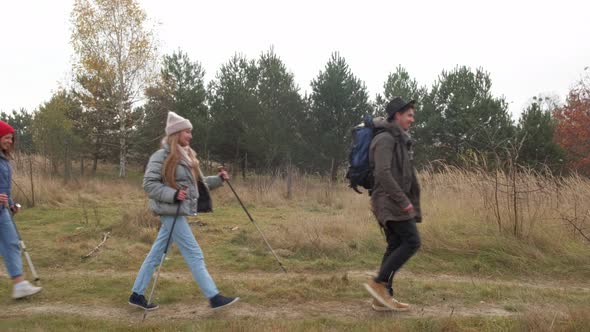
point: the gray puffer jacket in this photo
(162, 196)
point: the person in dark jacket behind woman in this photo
(9, 242)
(173, 177)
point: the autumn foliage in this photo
(573, 128)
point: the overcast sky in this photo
(529, 47)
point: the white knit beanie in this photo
(176, 123)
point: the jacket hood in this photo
(381, 122)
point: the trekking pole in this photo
(36, 278)
(163, 257)
(252, 220)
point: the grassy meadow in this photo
(499, 253)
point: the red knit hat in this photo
(5, 129)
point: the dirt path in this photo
(311, 309)
(352, 274)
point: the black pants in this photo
(403, 241)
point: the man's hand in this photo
(409, 208)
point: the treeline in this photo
(253, 116)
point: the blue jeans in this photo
(190, 250)
(9, 247)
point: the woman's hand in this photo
(181, 195)
(223, 175)
(3, 199)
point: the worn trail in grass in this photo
(295, 296)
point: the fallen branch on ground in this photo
(104, 239)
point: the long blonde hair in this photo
(174, 157)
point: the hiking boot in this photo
(24, 289)
(219, 301)
(379, 307)
(399, 306)
(380, 293)
(141, 302)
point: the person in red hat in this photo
(9, 242)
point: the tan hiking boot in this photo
(378, 306)
(399, 306)
(380, 293)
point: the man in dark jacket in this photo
(395, 200)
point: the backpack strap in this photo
(368, 121)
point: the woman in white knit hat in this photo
(175, 185)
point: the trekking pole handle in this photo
(221, 169)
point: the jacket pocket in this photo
(167, 209)
(386, 209)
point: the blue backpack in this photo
(359, 171)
